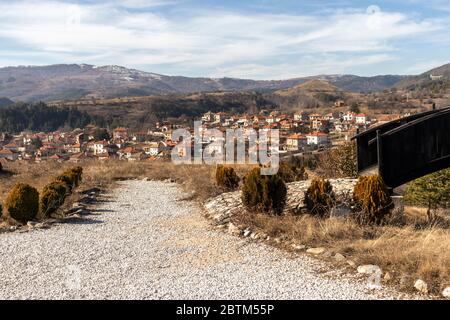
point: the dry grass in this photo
(406, 251)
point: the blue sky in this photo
(258, 39)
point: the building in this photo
(361, 118)
(120, 133)
(295, 142)
(8, 154)
(318, 139)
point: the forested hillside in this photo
(40, 117)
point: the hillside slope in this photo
(73, 81)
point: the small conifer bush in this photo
(227, 178)
(22, 203)
(372, 199)
(264, 193)
(319, 197)
(53, 196)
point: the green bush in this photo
(319, 197)
(431, 191)
(22, 203)
(372, 199)
(227, 178)
(53, 196)
(264, 193)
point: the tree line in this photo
(40, 117)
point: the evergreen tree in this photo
(431, 191)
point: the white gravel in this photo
(149, 244)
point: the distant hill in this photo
(5, 102)
(75, 81)
(310, 94)
(436, 79)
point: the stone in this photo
(387, 276)
(247, 232)
(42, 225)
(340, 211)
(13, 228)
(298, 246)
(446, 292)
(351, 263)
(232, 229)
(316, 251)
(327, 254)
(31, 224)
(339, 257)
(369, 269)
(421, 286)
(254, 236)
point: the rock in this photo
(351, 263)
(277, 240)
(369, 269)
(232, 229)
(42, 225)
(82, 212)
(298, 246)
(316, 251)
(254, 236)
(339, 257)
(91, 190)
(421, 286)
(31, 224)
(247, 232)
(387, 276)
(13, 228)
(340, 211)
(327, 254)
(446, 292)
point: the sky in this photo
(253, 39)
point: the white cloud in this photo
(213, 42)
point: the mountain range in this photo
(83, 81)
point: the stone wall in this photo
(222, 207)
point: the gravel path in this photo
(150, 244)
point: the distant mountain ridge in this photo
(76, 81)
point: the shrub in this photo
(292, 171)
(372, 199)
(68, 179)
(264, 193)
(340, 162)
(53, 196)
(79, 173)
(319, 197)
(431, 191)
(227, 178)
(22, 203)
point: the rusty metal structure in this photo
(407, 148)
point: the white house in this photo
(317, 138)
(349, 116)
(361, 118)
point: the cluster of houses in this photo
(298, 132)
